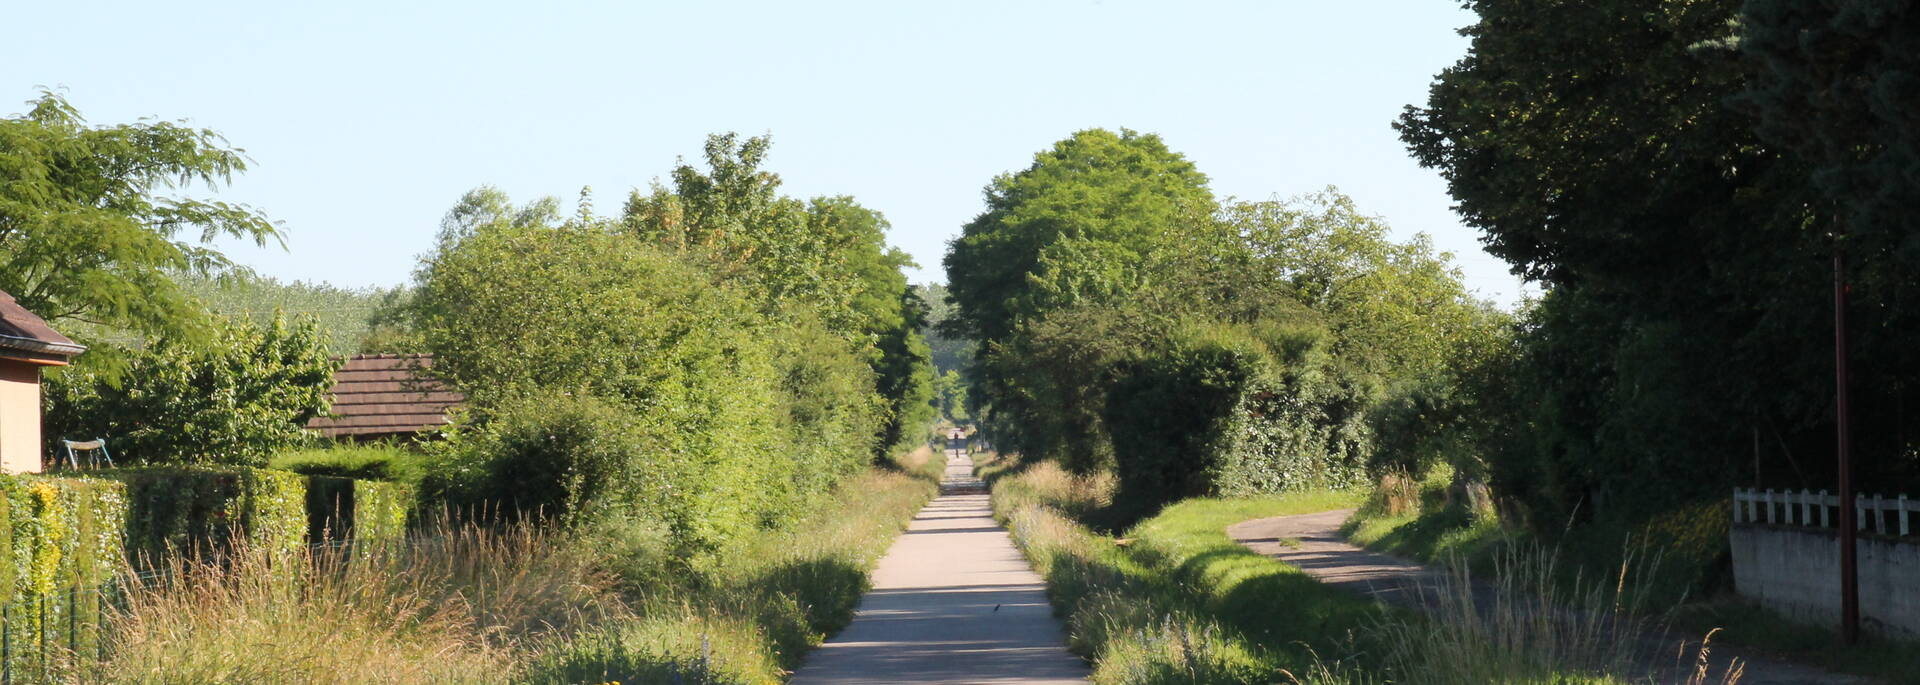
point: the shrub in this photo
(233, 400)
(366, 511)
(1262, 409)
(196, 510)
(572, 459)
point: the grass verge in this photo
(1175, 600)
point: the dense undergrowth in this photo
(1174, 600)
(523, 603)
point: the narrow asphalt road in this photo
(952, 602)
(1312, 543)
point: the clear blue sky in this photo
(366, 120)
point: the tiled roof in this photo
(383, 394)
(25, 336)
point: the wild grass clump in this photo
(1520, 625)
(1431, 518)
(455, 608)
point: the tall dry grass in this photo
(454, 607)
(523, 604)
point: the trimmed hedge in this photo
(203, 509)
(368, 511)
(58, 533)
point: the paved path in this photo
(1312, 543)
(952, 602)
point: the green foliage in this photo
(234, 399)
(1678, 198)
(1196, 349)
(364, 461)
(83, 237)
(575, 459)
(60, 533)
(949, 353)
(196, 510)
(365, 511)
(827, 256)
(1075, 226)
(1180, 602)
(510, 311)
(347, 317)
(59, 538)
(1262, 410)
(950, 396)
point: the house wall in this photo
(1796, 571)
(19, 417)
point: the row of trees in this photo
(711, 359)
(706, 361)
(1678, 178)
(1129, 320)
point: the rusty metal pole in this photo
(1849, 573)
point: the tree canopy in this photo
(86, 233)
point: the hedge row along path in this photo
(952, 602)
(1313, 544)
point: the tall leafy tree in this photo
(1075, 226)
(1684, 339)
(87, 232)
(828, 255)
(1838, 84)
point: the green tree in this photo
(1078, 227)
(828, 255)
(84, 233)
(1686, 315)
(235, 398)
(705, 390)
(1074, 226)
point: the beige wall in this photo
(19, 416)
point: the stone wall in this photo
(1796, 571)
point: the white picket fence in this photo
(1883, 515)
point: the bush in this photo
(570, 459)
(611, 377)
(1262, 409)
(198, 510)
(369, 512)
(233, 400)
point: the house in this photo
(386, 395)
(27, 344)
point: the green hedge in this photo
(202, 509)
(367, 511)
(58, 533)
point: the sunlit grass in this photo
(465, 604)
